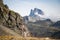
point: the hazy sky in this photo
(51, 8)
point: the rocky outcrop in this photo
(56, 24)
(12, 20)
(34, 15)
(39, 26)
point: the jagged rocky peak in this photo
(34, 15)
(12, 20)
(39, 11)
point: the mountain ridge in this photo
(12, 20)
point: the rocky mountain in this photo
(36, 25)
(45, 22)
(34, 15)
(43, 28)
(11, 23)
(35, 18)
(39, 27)
(33, 12)
(56, 24)
(10, 20)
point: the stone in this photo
(12, 20)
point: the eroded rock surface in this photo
(12, 20)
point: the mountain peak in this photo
(39, 11)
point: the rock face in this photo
(39, 26)
(56, 24)
(32, 13)
(12, 20)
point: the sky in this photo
(51, 8)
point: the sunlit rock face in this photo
(12, 20)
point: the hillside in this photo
(12, 21)
(40, 26)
